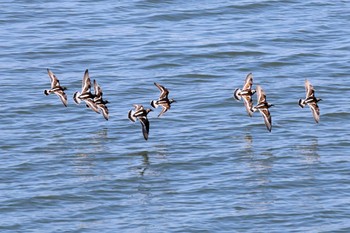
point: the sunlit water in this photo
(207, 166)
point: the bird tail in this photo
(236, 94)
(76, 97)
(301, 103)
(47, 92)
(154, 104)
(131, 116)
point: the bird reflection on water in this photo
(259, 164)
(310, 150)
(85, 159)
(145, 162)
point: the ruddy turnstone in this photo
(163, 100)
(56, 88)
(140, 113)
(99, 101)
(85, 89)
(263, 107)
(246, 93)
(311, 100)
(86, 94)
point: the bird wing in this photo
(309, 89)
(145, 126)
(104, 111)
(267, 117)
(91, 104)
(248, 82)
(165, 107)
(86, 84)
(261, 95)
(163, 91)
(315, 111)
(97, 89)
(138, 107)
(62, 96)
(248, 103)
(53, 78)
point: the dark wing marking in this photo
(248, 82)
(248, 103)
(315, 111)
(267, 117)
(145, 126)
(163, 91)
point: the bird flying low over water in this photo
(86, 94)
(56, 88)
(99, 101)
(85, 89)
(311, 100)
(263, 107)
(246, 93)
(141, 114)
(163, 99)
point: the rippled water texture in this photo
(207, 166)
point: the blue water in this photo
(207, 166)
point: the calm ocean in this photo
(207, 166)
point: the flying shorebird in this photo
(85, 89)
(140, 113)
(99, 101)
(263, 107)
(246, 93)
(56, 88)
(311, 100)
(163, 100)
(86, 94)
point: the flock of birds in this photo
(95, 102)
(263, 106)
(140, 112)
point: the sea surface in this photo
(207, 166)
